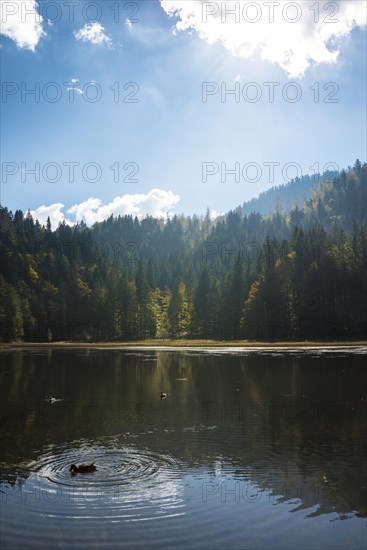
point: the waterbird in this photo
(83, 468)
(163, 395)
(50, 399)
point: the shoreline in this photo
(167, 344)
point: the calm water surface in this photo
(250, 449)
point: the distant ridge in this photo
(286, 196)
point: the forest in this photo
(296, 274)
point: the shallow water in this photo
(260, 449)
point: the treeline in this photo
(300, 275)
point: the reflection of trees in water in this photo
(292, 426)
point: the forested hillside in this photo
(286, 196)
(291, 275)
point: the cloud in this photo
(312, 40)
(94, 33)
(214, 214)
(21, 22)
(74, 82)
(157, 203)
(128, 23)
(78, 90)
(54, 211)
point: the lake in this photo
(250, 449)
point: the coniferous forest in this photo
(296, 274)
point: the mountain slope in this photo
(286, 196)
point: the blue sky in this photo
(166, 135)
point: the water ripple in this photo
(130, 484)
(116, 465)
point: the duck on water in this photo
(50, 399)
(83, 468)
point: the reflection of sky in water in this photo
(271, 351)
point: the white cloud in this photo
(78, 90)
(54, 211)
(94, 33)
(293, 46)
(21, 22)
(74, 86)
(157, 203)
(214, 214)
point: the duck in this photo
(163, 395)
(50, 399)
(83, 468)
